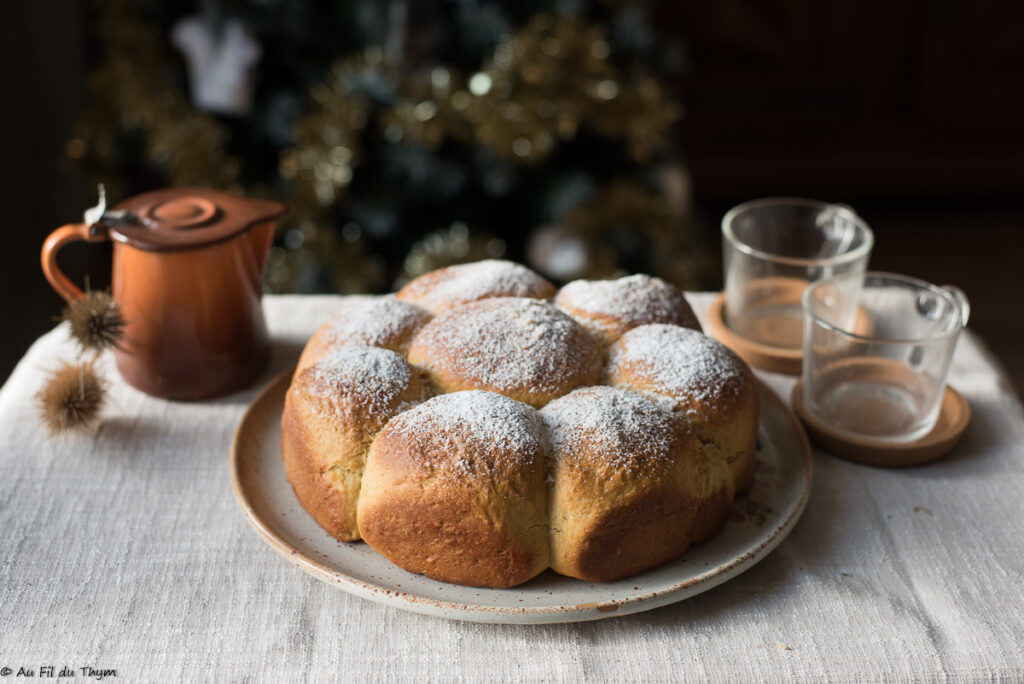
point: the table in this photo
(127, 551)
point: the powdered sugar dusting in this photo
(634, 299)
(509, 345)
(686, 364)
(625, 429)
(370, 377)
(472, 433)
(376, 321)
(440, 290)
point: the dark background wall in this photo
(42, 83)
(895, 100)
(910, 112)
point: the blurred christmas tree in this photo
(404, 136)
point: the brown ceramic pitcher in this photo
(187, 273)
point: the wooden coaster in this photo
(758, 355)
(954, 416)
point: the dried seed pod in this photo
(96, 321)
(71, 398)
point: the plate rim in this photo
(704, 581)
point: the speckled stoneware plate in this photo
(760, 520)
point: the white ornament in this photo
(559, 253)
(220, 66)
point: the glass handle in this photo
(961, 300)
(838, 222)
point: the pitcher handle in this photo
(72, 232)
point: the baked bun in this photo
(631, 488)
(541, 448)
(365, 320)
(707, 381)
(332, 412)
(608, 308)
(454, 489)
(446, 288)
(525, 349)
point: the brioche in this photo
(446, 288)
(609, 308)
(364, 320)
(454, 489)
(332, 411)
(629, 482)
(474, 431)
(523, 348)
(704, 379)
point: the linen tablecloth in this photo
(126, 551)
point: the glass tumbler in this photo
(876, 350)
(772, 249)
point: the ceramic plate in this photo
(759, 521)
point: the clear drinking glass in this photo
(876, 350)
(772, 249)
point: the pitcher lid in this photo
(186, 218)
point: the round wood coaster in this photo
(954, 416)
(758, 355)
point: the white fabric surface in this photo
(127, 551)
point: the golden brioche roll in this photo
(365, 320)
(454, 489)
(608, 308)
(526, 349)
(446, 288)
(708, 382)
(631, 488)
(332, 411)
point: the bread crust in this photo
(707, 382)
(454, 499)
(365, 320)
(331, 414)
(610, 308)
(713, 511)
(620, 503)
(522, 348)
(446, 288)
